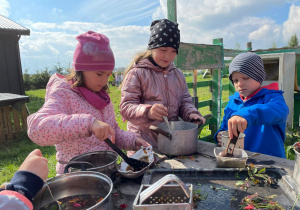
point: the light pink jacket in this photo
(145, 85)
(65, 121)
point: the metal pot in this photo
(103, 161)
(76, 183)
(180, 139)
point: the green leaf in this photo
(261, 171)
(254, 170)
(238, 183)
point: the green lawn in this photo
(12, 153)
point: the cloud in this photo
(4, 8)
(291, 26)
(237, 22)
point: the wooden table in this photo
(13, 115)
(125, 190)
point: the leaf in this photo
(252, 165)
(262, 176)
(261, 171)
(238, 183)
(254, 170)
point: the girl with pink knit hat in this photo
(78, 113)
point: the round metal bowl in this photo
(144, 152)
(104, 161)
(75, 184)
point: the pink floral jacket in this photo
(65, 121)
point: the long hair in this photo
(77, 78)
(136, 59)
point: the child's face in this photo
(163, 56)
(244, 84)
(95, 80)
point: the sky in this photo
(55, 24)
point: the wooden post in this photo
(172, 11)
(217, 92)
(195, 97)
(8, 124)
(249, 46)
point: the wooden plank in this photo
(199, 56)
(24, 118)
(200, 84)
(2, 131)
(8, 123)
(172, 11)
(9, 99)
(16, 118)
(204, 103)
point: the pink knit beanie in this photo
(93, 53)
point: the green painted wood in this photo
(298, 69)
(224, 104)
(215, 107)
(199, 56)
(204, 103)
(172, 13)
(200, 84)
(296, 110)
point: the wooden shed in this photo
(11, 79)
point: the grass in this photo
(13, 153)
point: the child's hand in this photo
(36, 163)
(236, 123)
(102, 130)
(157, 112)
(140, 142)
(219, 138)
(197, 117)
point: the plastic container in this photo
(296, 173)
(239, 143)
(238, 161)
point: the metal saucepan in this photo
(103, 162)
(76, 184)
(181, 139)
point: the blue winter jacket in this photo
(266, 113)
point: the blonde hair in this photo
(77, 78)
(136, 59)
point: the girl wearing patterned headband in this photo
(153, 87)
(259, 112)
(78, 113)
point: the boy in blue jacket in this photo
(259, 112)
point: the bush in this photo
(36, 81)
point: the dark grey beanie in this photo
(249, 64)
(164, 33)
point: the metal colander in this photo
(162, 196)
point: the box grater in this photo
(162, 196)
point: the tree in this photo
(274, 45)
(293, 42)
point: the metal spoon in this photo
(167, 122)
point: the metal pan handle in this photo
(160, 131)
(198, 122)
(159, 184)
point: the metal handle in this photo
(198, 122)
(160, 183)
(161, 131)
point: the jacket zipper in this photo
(167, 90)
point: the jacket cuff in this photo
(26, 183)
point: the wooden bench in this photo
(13, 115)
